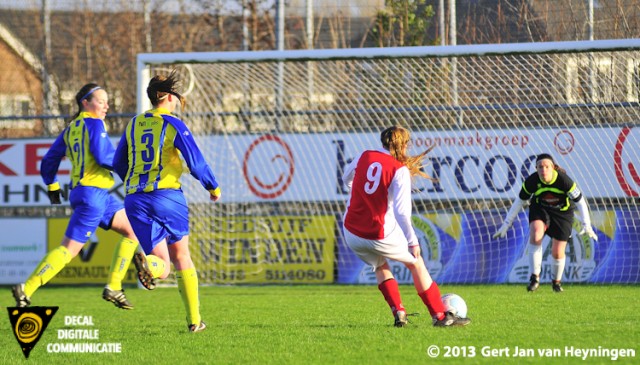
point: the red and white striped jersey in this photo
(380, 196)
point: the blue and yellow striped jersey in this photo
(86, 144)
(148, 155)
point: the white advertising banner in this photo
(20, 180)
(22, 246)
(466, 164)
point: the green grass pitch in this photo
(337, 324)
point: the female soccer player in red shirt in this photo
(377, 223)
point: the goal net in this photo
(279, 127)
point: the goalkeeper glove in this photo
(585, 219)
(586, 229)
(502, 232)
(54, 193)
(516, 207)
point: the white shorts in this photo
(375, 252)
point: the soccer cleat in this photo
(144, 273)
(534, 283)
(451, 320)
(22, 300)
(400, 319)
(116, 297)
(557, 286)
(197, 328)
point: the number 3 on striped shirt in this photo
(147, 156)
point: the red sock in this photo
(391, 293)
(433, 300)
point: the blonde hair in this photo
(396, 139)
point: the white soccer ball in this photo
(455, 304)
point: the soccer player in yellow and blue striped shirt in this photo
(148, 161)
(86, 144)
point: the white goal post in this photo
(279, 126)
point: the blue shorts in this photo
(157, 215)
(92, 208)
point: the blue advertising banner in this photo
(478, 258)
(460, 249)
(621, 262)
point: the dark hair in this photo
(546, 156)
(160, 86)
(85, 93)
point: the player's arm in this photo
(49, 168)
(518, 204)
(195, 160)
(400, 188)
(99, 144)
(349, 172)
(575, 194)
(121, 158)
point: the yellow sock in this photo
(188, 287)
(122, 255)
(156, 265)
(49, 267)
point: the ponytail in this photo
(396, 139)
